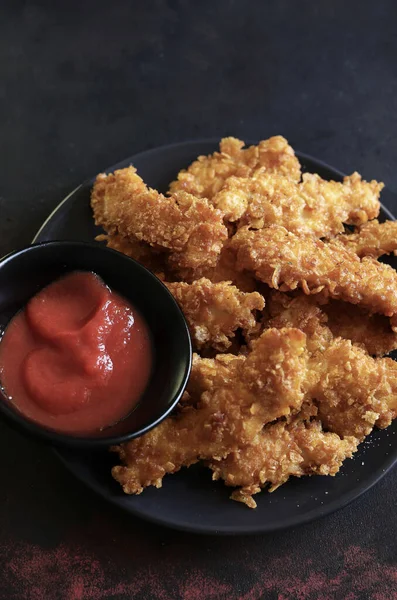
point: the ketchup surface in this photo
(77, 358)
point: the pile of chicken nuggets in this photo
(291, 314)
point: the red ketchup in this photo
(77, 358)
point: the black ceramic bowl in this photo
(25, 272)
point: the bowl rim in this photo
(54, 437)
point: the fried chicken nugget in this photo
(352, 390)
(157, 261)
(372, 332)
(313, 207)
(214, 311)
(329, 320)
(206, 175)
(210, 373)
(232, 408)
(285, 261)
(372, 239)
(301, 313)
(352, 393)
(187, 227)
(224, 270)
(283, 449)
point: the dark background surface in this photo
(83, 86)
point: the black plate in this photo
(189, 500)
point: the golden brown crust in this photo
(206, 175)
(223, 270)
(312, 207)
(232, 409)
(303, 390)
(214, 311)
(372, 239)
(352, 390)
(189, 228)
(372, 332)
(324, 320)
(285, 261)
(282, 450)
(300, 312)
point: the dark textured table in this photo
(83, 85)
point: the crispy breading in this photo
(373, 332)
(187, 227)
(298, 389)
(285, 261)
(210, 373)
(231, 411)
(214, 311)
(372, 239)
(157, 261)
(139, 251)
(282, 450)
(358, 198)
(352, 390)
(224, 270)
(302, 313)
(312, 207)
(330, 319)
(206, 175)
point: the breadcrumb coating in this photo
(324, 320)
(312, 207)
(300, 381)
(232, 410)
(214, 311)
(206, 175)
(372, 332)
(282, 450)
(372, 239)
(189, 228)
(286, 261)
(224, 270)
(352, 390)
